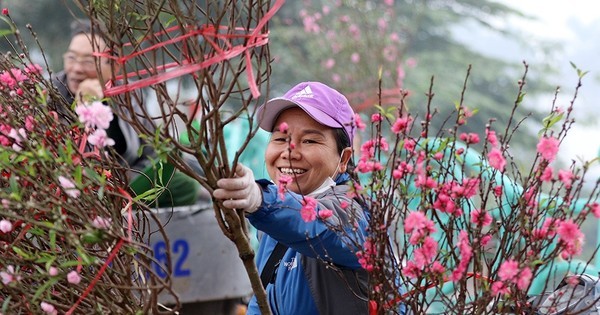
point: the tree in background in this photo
(344, 43)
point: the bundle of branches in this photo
(459, 226)
(215, 51)
(70, 241)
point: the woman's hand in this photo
(89, 89)
(240, 192)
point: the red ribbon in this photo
(211, 35)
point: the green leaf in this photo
(85, 258)
(6, 304)
(44, 287)
(520, 97)
(91, 237)
(551, 120)
(52, 236)
(21, 253)
(149, 195)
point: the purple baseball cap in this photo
(324, 104)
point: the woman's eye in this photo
(281, 139)
(309, 141)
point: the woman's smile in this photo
(314, 156)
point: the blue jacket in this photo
(308, 278)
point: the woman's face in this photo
(314, 157)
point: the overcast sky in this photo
(575, 25)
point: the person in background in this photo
(80, 81)
(311, 231)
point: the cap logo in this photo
(305, 92)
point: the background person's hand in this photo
(89, 89)
(240, 192)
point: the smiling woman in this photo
(312, 226)
(314, 157)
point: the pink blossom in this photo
(329, 63)
(355, 57)
(437, 267)
(101, 222)
(69, 187)
(308, 210)
(367, 149)
(411, 270)
(389, 2)
(33, 69)
(411, 62)
(382, 24)
(344, 204)
(410, 144)
(368, 166)
(336, 78)
(547, 174)
(5, 226)
(390, 53)
(53, 271)
(5, 203)
(325, 214)
(418, 225)
(29, 123)
(12, 78)
(402, 169)
(48, 308)
(566, 177)
(426, 182)
(508, 270)
(496, 159)
(376, 118)
(18, 135)
(498, 191)
(491, 137)
(73, 277)
(354, 31)
(500, 287)
(568, 231)
(283, 127)
(469, 138)
(466, 253)
(425, 254)
(524, 278)
(547, 147)
(401, 124)
(571, 249)
(96, 115)
(9, 275)
(358, 122)
(481, 217)
(283, 181)
(485, 240)
(100, 139)
(595, 209)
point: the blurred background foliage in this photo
(344, 43)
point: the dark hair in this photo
(80, 26)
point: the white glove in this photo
(240, 192)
